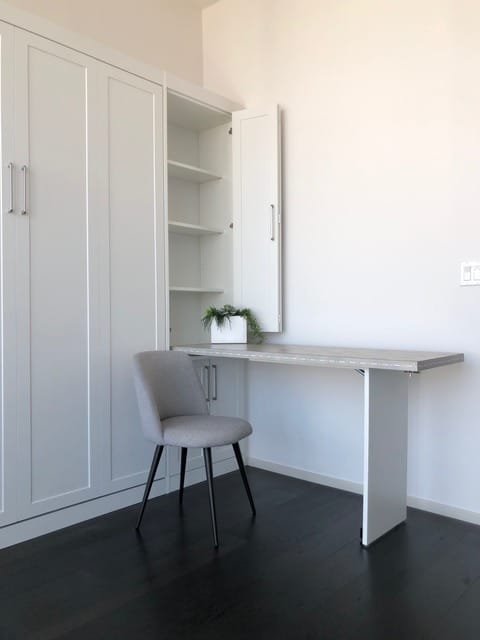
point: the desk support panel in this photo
(385, 452)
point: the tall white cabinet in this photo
(224, 214)
(56, 274)
(223, 206)
(118, 231)
(83, 263)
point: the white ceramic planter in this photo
(234, 330)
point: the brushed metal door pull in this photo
(214, 385)
(207, 394)
(11, 170)
(24, 209)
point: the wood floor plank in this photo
(295, 571)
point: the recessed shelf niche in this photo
(199, 214)
(190, 173)
(188, 229)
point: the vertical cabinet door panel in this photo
(257, 215)
(227, 393)
(54, 97)
(8, 426)
(134, 175)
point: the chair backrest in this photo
(167, 385)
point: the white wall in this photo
(164, 33)
(382, 195)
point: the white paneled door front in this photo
(57, 276)
(257, 215)
(8, 436)
(132, 161)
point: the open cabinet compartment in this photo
(199, 214)
(224, 214)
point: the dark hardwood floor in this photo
(298, 571)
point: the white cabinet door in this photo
(56, 285)
(8, 426)
(257, 215)
(135, 307)
(227, 395)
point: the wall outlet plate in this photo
(470, 274)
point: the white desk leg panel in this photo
(385, 452)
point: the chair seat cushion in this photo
(204, 431)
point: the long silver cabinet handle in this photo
(272, 223)
(207, 394)
(214, 385)
(11, 170)
(24, 171)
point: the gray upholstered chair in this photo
(174, 412)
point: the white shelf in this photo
(195, 290)
(192, 229)
(190, 173)
(193, 115)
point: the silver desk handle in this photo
(24, 171)
(214, 372)
(207, 394)
(11, 169)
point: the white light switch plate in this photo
(470, 274)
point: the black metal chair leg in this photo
(151, 476)
(183, 466)
(207, 454)
(243, 473)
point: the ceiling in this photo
(202, 4)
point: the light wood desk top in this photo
(317, 356)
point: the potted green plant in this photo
(228, 324)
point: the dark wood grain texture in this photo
(296, 571)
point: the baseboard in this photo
(431, 506)
(447, 510)
(303, 474)
(48, 522)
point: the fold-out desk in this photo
(386, 413)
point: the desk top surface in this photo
(343, 357)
